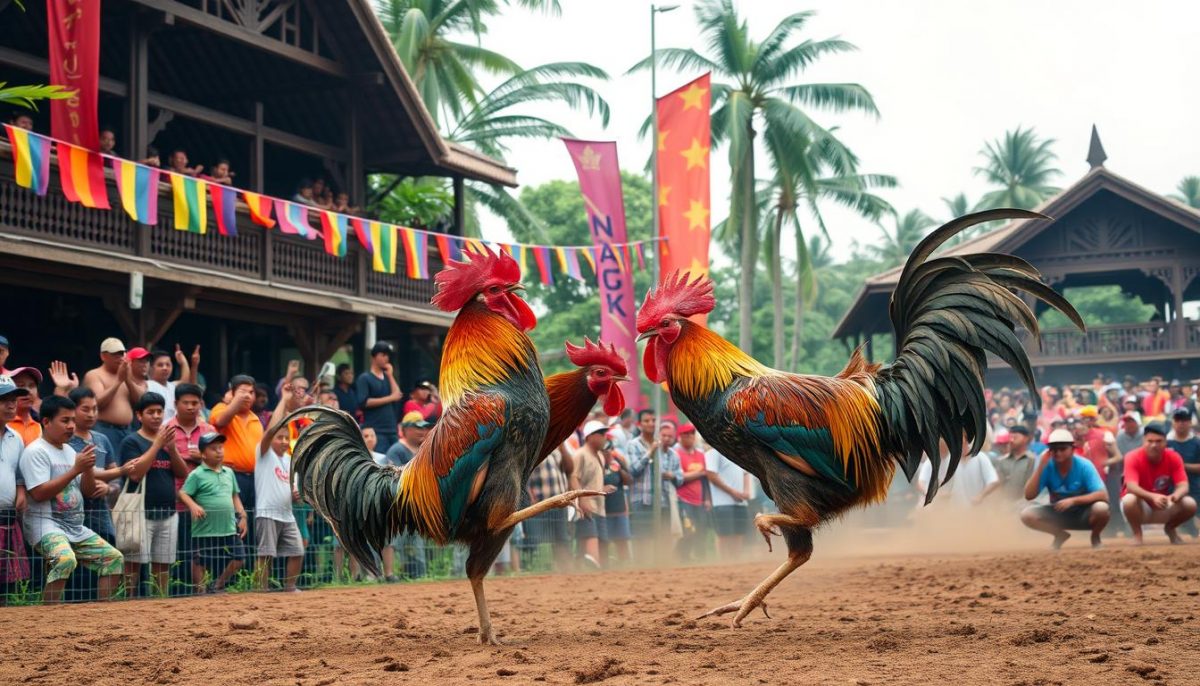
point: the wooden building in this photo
(1104, 229)
(284, 89)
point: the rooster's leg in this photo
(799, 542)
(768, 525)
(561, 500)
(487, 637)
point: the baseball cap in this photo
(1155, 428)
(112, 345)
(1002, 438)
(1181, 413)
(209, 438)
(415, 420)
(4, 342)
(137, 353)
(1060, 436)
(1132, 415)
(7, 387)
(381, 347)
(594, 427)
(1089, 411)
(32, 371)
(1018, 429)
(1130, 399)
(687, 428)
(424, 384)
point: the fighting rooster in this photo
(573, 394)
(821, 445)
(465, 482)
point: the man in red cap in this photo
(694, 499)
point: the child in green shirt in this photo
(210, 492)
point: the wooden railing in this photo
(1117, 339)
(269, 256)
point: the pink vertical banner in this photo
(600, 184)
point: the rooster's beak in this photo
(516, 287)
(647, 335)
(620, 378)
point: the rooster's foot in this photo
(767, 528)
(487, 637)
(743, 607)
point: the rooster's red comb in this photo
(597, 353)
(461, 281)
(676, 295)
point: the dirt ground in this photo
(1114, 616)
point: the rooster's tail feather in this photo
(335, 473)
(949, 312)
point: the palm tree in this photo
(1021, 164)
(1189, 192)
(896, 245)
(761, 87)
(27, 96)
(490, 123)
(797, 182)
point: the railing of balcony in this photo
(1117, 339)
(256, 253)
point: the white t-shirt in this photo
(729, 472)
(167, 391)
(971, 478)
(926, 470)
(62, 513)
(11, 447)
(273, 485)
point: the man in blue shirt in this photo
(1078, 499)
(378, 394)
(1183, 440)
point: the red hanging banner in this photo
(75, 64)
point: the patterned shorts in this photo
(62, 556)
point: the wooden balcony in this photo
(1151, 340)
(257, 261)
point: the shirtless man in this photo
(116, 390)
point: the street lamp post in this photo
(656, 470)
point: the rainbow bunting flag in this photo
(448, 247)
(589, 255)
(541, 255)
(416, 253)
(628, 251)
(191, 210)
(260, 209)
(31, 158)
(224, 202)
(383, 237)
(81, 172)
(640, 249)
(334, 230)
(571, 260)
(475, 245)
(362, 231)
(522, 251)
(293, 218)
(137, 185)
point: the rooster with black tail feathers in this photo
(821, 445)
(465, 482)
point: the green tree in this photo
(570, 309)
(1189, 192)
(760, 88)
(896, 245)
(1021, 165)
(1099, 305)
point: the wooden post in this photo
(1178, 323)
(460, 208)
(355, 177)
(137, 125)
(256, 150)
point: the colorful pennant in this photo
(31, 158)
(81, 173)
(541, 255)
(383, 237)
(334, 229)
(260, 209)
(137, 185)
(293, 218)
(416, 253)
(224, 201)
(362, 231)
(448, 248)
(191, 210)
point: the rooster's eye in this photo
(494, 289)
(665, 323)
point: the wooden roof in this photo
(874, 296)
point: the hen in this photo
(820, 445)
(465, 482)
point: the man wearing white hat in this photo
(115, 390)
(588, 475)
(1078, 499)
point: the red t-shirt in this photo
(1095, 451)
(1157, 478)
(692, 492)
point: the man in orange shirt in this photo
(243, 432)
(28, 428)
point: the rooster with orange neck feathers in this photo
(821, 445)
(465, 482)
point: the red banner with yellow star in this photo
(684, 139)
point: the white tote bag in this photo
(129, 519)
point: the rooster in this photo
(821, 445)
(574, 393)
(465, 482)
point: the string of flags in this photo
(81, 174)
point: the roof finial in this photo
(1096, 155)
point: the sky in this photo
(947, 76)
